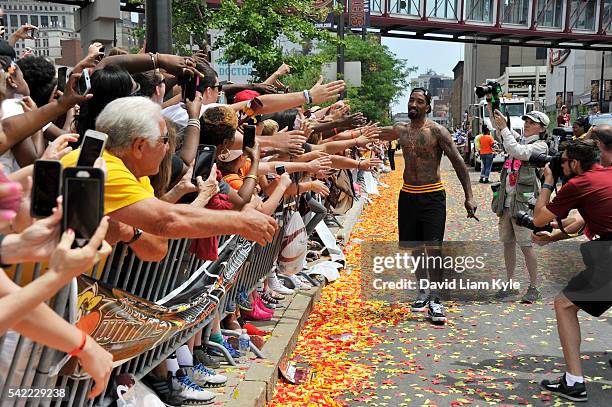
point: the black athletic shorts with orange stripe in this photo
(421, 213)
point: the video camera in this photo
(492, 89)
(523, 219)
(541, 159)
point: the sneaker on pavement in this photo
(435, 311)
(233, 352)
(577, 392)
(532, 295)
(298, 284)
(203, 376)
(421, 303)
(275, 285)
(275, 295)
(193, 394)
(253, 330)
(199, 356)
(505, 293)
(163, 389)
(268, 299)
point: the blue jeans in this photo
(486, 161)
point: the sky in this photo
(439, 56)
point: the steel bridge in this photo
(575, 24)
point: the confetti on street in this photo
(487, 354)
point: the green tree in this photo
(383, 76)
(252, 29)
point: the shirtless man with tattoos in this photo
(422, 200)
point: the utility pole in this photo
(340, 32)
(601, 84)
(159, 26)
(564, 85)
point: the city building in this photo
(579, 73)
(55, 22)
(440, 87)
(525, 81)
(484, 62)
(455, 112)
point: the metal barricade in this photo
(25, 364)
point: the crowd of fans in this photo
(301, 153)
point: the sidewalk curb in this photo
(257, 387)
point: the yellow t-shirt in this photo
(122, 188)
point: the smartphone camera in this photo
(280, 169)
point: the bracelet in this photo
(153, 60)
(194, 123)
(137, 235)
(254, 177)
(2, 264)
(78, 350)
(548, 186)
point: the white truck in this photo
(516, 107)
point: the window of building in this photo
(54, 21)
(13, 20)
(23, 20)
(64, 21)
(34, 20)
(541, 53)
(44, 21)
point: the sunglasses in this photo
(164, 139)
(218, 87)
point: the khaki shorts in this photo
(510, 232)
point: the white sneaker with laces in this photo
(275, 285)
(299, 283)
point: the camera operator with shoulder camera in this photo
(517, 191)
(589, 190)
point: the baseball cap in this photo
(537, 117)
(245, 95)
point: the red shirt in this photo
(591, 194)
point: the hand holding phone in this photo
(46, 185)
(248, 139)
(280, 169)
(189, 86)
(92, 147)
(205, 158)
(83, 203)
(84, 83)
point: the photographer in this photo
(518, 189)
(591, 289)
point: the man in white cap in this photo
(518, 190)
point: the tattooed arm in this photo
(445, 141)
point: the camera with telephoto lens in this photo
(492, 89)
(523, 219)
(541, 159)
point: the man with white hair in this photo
(137, 142)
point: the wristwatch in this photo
(137, 234)
(548, 186)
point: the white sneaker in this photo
(275, 285)
(187, 389)
(299, 284)
(204, 377)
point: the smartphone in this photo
(46, 186)
(280, 169)
(83, 191)
(91, 148)
(32, 32)
(189, 86)
(62, 75)
(205, 158)
(101, 56)
(84, 82)
(248, 139)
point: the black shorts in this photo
(421, 217)
(591, 289)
